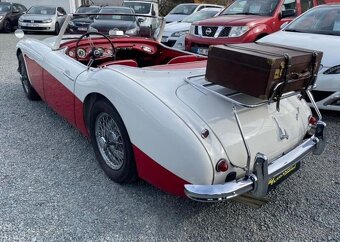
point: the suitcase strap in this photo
(277, 94)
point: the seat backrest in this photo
(129, 62)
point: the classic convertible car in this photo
(150, 113)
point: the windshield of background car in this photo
(42, 10)
(201, 15)
(185, 9)
(139, 8)
(5, 7)
(252, 7)
(116, 17)
(87, 10)
(323, 20)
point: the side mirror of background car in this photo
(140, 20)
(288, 13)
(60, 14)
(153, 13)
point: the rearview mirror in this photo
(288, 13)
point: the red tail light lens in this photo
(312, 120)
(222, 165)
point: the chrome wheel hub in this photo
(110, 141)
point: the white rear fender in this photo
(152, 126)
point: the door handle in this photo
(68, 75)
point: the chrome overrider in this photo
(257, 182)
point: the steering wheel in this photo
(95, 52)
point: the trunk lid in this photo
(261, 125)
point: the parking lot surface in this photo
(52, 188)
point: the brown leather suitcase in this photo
(264, 71)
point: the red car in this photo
(244, 21)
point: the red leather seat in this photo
(130, 62)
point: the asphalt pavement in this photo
(52, 188)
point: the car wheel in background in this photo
(111, 143)
(30, 93)
(7, 26)
(57, 28)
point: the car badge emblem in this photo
(208, 31)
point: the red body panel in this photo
(64, 102)
(35, 74)
(155, 174)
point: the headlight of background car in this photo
(192, 29)
(179, 33)
(1, 17)
(237, 31)
(333, 70)
(19, 20)
(131, 31)
(47, 21)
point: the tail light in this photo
(312, 121)
(222, 165)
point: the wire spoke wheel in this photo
(110, 141)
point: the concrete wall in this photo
(68, 5)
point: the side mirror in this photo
(153, 13)
(288, 13)
(60, 14)
(140, 20)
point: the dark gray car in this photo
(9, 15)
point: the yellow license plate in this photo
(276, 180)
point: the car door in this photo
(59, 76)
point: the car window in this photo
(61, 10)
(5, 7)
(289, 5)
(252, 7)
(325, 20)
(41, 10)
(306, 4)
(15, 8)
(185, 9)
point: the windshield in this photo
(201, 15)
(252, 7)
(88, 10)
(323, 20)
(42, 10)
(185, 9)
(116, 17)
(139, 7)
(5, 7)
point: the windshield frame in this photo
(70, 17)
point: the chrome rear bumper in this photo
(257, 182)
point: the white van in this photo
(145, 8)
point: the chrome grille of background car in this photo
(32, 21)
(209, 31)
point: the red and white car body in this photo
(179, 132)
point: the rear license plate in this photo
(276, 180)
(201, 51)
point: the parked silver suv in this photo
(43, 18)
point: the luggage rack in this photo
(199, 86)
